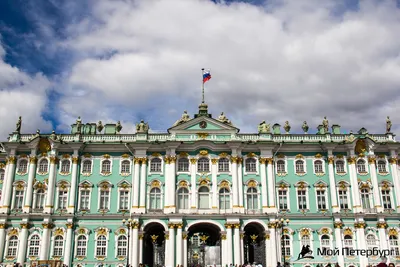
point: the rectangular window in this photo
(387, 203)
(321, 200)
(282, 199)
(123, 199)
(343, 199)
(62, 199)
(84, 205)
(302, 199)
(104, 199)
(19, 199)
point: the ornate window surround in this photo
(344, 186)
(321, 186)
(84, 185)
(125, 157)
(124, 185)
(179, 157)
(18, 185)
(155, 183)
(81, 232)
(150, 158)
(328, 232)
(103, 159)
(62, 185)
(224, 184)
(183, 184)
(87, 157)
(121, 231)
(38, 165)
(387, 166)
(366, 166)
(33, 232)
(306, 232)
(22, 158)
(62, 162)
(297, 158)
(104, 185)
(343, 159)
(57, 231)
(303, 185)
(209, 164)
(323, 166)
(101, 231)
(388, 185)
(281, 158)
(285, 186)
(249, 156)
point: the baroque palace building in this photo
(202, 193)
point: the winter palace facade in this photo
(201, 193)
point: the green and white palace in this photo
(200, 193)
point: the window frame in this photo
(19, 172)
(183, 194)
(34, 246)
(199, 194)
(362, 165)
(205, 163)
(385, 164)
(225, 167)
(62, 164)
(224, 198)
(35, 199)
(316, 172)
(298, 172)
(123, 172)
(84, 170)
(160, 165)
(118, 247)
(128, 198)
(277, 171)
(15, 240)
(58, 249)
(39, 166)
(80, 247)
(155, 196)
(344, 166)
(83, 186)
(325, 196)
(250, 170)
(103, 247)
(180, 159)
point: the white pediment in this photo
(203, 124)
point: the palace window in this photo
(305, 241)
(12, 246)
(343, 199)
(365, 200)
(252, 198)
(251, 165)
(62, 199)
(361, 166)
(340, 166)
(155, 199)
(280, 166)
(394, 245)
(204, 194)
(302, 199)
(372, 242)
(318, 166)
(58, 246)
(183, 198)
(84, 199)
(183, 165)
(87, 166)
(122, 245)
(155, 165)
(43, 166)
(223, 165)
(81, 246)
(101, 246)
(321, 199)
(348, 241)
(39, 199)
(34, 246)
(125, 167)
(224, 199)
(106, 167)
(381, 166)
(2, 174)
(325, 241)
(123, 199)
(203, 165)
(285, 244)
(386, 199)
(23, 166)
(18, 199)
(283, 199)
(299, 166)
(65, 166)
(104, 199)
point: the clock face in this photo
(203, 124)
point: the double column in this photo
(332, 187)
(271, 185)
(74, 180)
(68, 244)
(382, 225)
(263, 173)
(23, 239)
(51, 186)
(8, 183)
(354, 184)
(45, 245)
(361, 241)
(134, 261)
(143, 183)
(338, 241)
(235, 184)
(233, 254)
(135, 184)
(396, 181)
(374, 179)
(193, 195)
(31, 176)
(2, 239)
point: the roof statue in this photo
(263, 127)
(100, 126)
(388, 124)
(185, 117)
(224, 119)
(325, 124)
(287, 127)
(118, 127)
(305, 127)
(78, 125)
(142, 127)
(18, 125)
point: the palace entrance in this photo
(154, 245)
(204, 245)
(254, 244)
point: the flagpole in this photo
(202, 87)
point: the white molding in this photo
(61, 164)
(323, 166)
(304, 167)
(18, 166)
(130, 167)
(83, 159)
(103, 173)
(149, 172)
(245, 172)
(38, 166)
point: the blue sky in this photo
(130, 60)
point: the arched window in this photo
(280, 166)
(65, 166)
(203, 165)
(125, 167)
(84, 199)
(251, 165)
(122, 245)
(2, 174)
(155, 198)
(106, 166)
(361, 166)
(18, 199)
(305, 240)
(101, 246)
(204, 194)
(224, 199)
(223, 165)
(81, 246)
(183, 165)
(285, 244)
(299, 166)
(23, 166)
(39, 199)
(87, 166)
(58, 246)
(183, 198)
(381, 166)
(34, 245)
(43, 166)
(348, 241)
(325, 241)
(365, 201)
(340, 166)
(318, 167)
(155, 165)
(62, 199)
(371, 241)
(252, 199)
(12, 246)
(394, 244)
(104, 199)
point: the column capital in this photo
(167, 159)
(229, 225)
(331, 160)
(393, 160)
(262, 160)
(234, 159)
(53, 160)
(239, 160)
(141, 236)
(172, 159)
(143, 160)
(272, 225)
(371, 160)
(360, 225)
(351, 160)
(171, 225)
(236, 225)
(267, 236)
(184, 236)
(135, 225)
(179, 225)
(3, 225)
(75, 160)
(11, 160)
(338, 225)
(47, 225)
(241, 235)
(223, 236)
(381, 225)
(193, 160)
(69, 225)
(33, 160)
(24, 225)
(214, 161)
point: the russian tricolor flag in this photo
(206, 76)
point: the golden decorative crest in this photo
(267, 236)
(252, 183)
(318, 156)
(154, 238)
(299, 156)
(87, 155)
(224, 184)
(63, 184)
(301, 185)
(223, 236)
(392, 232)
(44, 145)
(66, 156)
(281, 156)
(202, 135)
(2, 165)
(183, 183)
(325, 231)
(361, 147)
(304, 232)
(155, 183)
(204, 238)
(381, 156)
(20, 185)
(338, 224)
(156, 155)
(381, 224)
(13, 231)
(102, 231)
(234, 159)
(81, 231)
(347, 231)
(183, 154)
(125, 156)
(106, 156)
(23, 156)
(203, 182)
(58, 231)
(339, 156)
(223, 155)
(214, 161)
(193, 160)
(385, 185)
(203, 152)
(254, 237)
(122, 231)
(251, 155)
(262, 160)
(342, 185)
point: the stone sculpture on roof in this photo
(325, 124)
(18, 125)
(78, 125)
(305, 127)
(263, 127)
(142, 127)
(185, 117)
(223, 118)
(388, 124)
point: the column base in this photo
(26, 209)
(170, 209)
(70, 209)
(47, 210)
(4, 210)
(379, 209)
(138, 210)
(236, 209)
(270, 210)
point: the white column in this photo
(143, 182)
(271, 183)
(51, 186)
(167, 249)
(135, 249)
(396, 181)
(237, 251)
(240, 183)
(374, 180)
(241, 247)
(263, 173)
(2, 239)
(74, 180)
(193, 182)
(354, 184)
(361, 242)
(171, 248)
(214, 183)
(141, 248)
(167, 184)
(22, 246)
(185, 252)
(68, 245)
(224, 251)
(136, 184)
(235, 202)
(172, 170)
(130, 240)
(274, 249)
(179, 245)
(229, 243)
(29, 189)
(332, 187)
(45, 244)
(383, 244)
(7, 186)
(339, 243)
(4, 184)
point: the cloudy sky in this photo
(270, 60)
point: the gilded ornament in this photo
(167, 159)
(184, 236)
(267, 236)
(318, 156)
(348, 231)
(69, 225)
(331, 160)
(47, 225)
(214, 161)
(304, 232)
(143, 160)
(339, 156)
(254, 237)
(156, 155)
(44, 145)
(252, 183)
(272, 225)
(338, 225)
(361, 147)
(351, 160)
(263, 160)
(393, 160)
(11, 160)
(2, 165)
(13, 231)
(106, 156)
(237, 225)
(24, 225)
(183, 184)
(228, 225)
(234, 159)
(58, 231)
(23, 156)
(360, 225)
(172, 159)
(20, 186)
(251, 155)
(3, 225)
(239, 160)
(324, 231)
(224, 184)
(281, 156)
(179, 225)
(75, 160)
(381, 225)
(193, 160)
(381, 156)
(223, 236)
(66, 156)
(223, 155)
(87, 155)
(299, 156)
(155, 183)
(203, 152)
(125, 156)
(301, 185)
(371, 160)
(392, 232)
(135, 225)
(203, 182)
(202, 135)
(102, 231)
(141, 236)
(166, 236)
(136, 160)
(241, 235)
(270, 161)
(183, 154)
(385, 185)
(81, 231)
